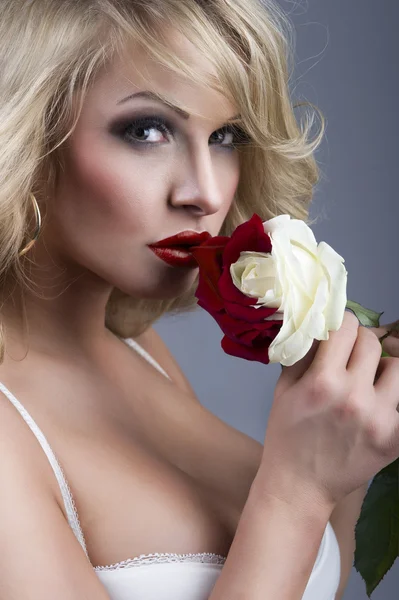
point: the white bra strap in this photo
(136, 346)
(69, 503)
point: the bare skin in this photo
(121, 435)
(119, 428)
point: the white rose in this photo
(304, 280)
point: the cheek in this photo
(229, 178)
(109, 189)
(235, 178)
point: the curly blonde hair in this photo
(51, 52)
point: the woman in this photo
(124, 122)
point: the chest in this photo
(153, 471)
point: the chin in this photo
(169, 286)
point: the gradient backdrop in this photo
(347, 64)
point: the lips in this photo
(175, 250)
(185, 240)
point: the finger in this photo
(365, 357)
(391, 345)
(387, 384)
(296, 371)
(335, 352)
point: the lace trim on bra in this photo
(165, 557)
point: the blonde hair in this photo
(51, 51)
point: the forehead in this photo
(135, 70)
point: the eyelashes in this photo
(143, 124)
(135, 132)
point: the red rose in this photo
(247, 334)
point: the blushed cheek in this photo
(98, 175)
(232, 179)
(101, 189)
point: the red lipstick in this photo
(175, 250)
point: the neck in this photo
(57, 315)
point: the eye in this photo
(234, 136)
(151, 130)
(146, 130)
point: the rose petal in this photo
(249, 314)
(229, 292)
(259, 354)
(337, 276)
(248, 236)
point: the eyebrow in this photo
(159, 98)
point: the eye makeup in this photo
(128, 128)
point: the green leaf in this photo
(366, 316)
(383, 353)
(377, 530)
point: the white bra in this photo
(170, 576)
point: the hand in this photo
(391, 343)
(333, 424)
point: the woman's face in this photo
(137, 171)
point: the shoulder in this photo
(36, 540)
(21, 453)
(237, 451)
(232, 455)
(153, 343)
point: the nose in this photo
(198, 184)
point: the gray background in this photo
(346, 64)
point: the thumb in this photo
(390, 342)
